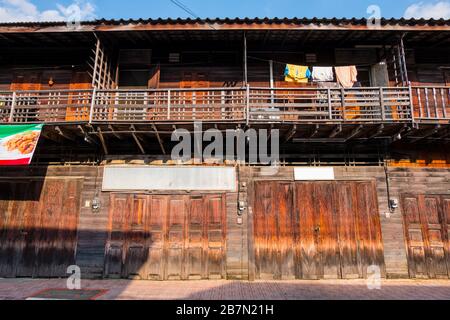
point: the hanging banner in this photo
(17, 143)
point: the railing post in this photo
(13, 105)
(330, 105)
(91, 112)
(248, 104)
(411, 103)
(168, 104)
(383, 110)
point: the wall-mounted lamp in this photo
(96, 205)
(51, 82)
(393, 204)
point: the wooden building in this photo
(103, 193)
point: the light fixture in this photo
(96, 205)
(51, 82)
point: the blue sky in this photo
(51, 10)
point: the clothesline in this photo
(285, 63)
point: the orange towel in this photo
(346, 76)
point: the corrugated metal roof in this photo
(242, 21)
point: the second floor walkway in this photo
(229, 105)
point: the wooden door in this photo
(79, 101)
(275, 231)
(316, 230)
(166, 237)
(38, 232)
(426, 232)
(195, 102)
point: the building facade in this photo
(362, 184)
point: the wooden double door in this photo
(317, 230)
(427, 233)
(38, 227)
(166, 237)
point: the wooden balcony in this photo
(229, 105)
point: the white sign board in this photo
(313, 173)
(135, 178)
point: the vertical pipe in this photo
(168, 104)
(13, 105)
(330, 106)
(383, 110)
(444, 110)
(405, 69)
(436, 111)
(91, 113)
(94, 73)
(272, 100)
(248, 104)
(411, 103)
(419, 100)
(245, 61)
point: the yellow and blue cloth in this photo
(299, 74)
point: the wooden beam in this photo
(118, 136)
(102, 140)
(315, 131)
(160, 141)
(377, 132)
(64, 135)
(336, 131)
(136, 139)
(355, 132)
(291, 134)
(427, 134)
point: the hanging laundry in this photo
(322, 74)
(346, 76)
(299, 74)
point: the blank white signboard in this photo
(313, 174)
(137, 178)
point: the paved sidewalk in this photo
(236, 290)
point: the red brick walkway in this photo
(233, 290)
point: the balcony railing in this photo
(431, 103)
(249, 104)
(330, 105)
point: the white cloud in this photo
(25, 11)
(435, 10)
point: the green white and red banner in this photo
(18, 143)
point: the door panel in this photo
(38, 232)
(426, 231)
(167, 237)
(316, 230)
(310, 256)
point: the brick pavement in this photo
(239, 290)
